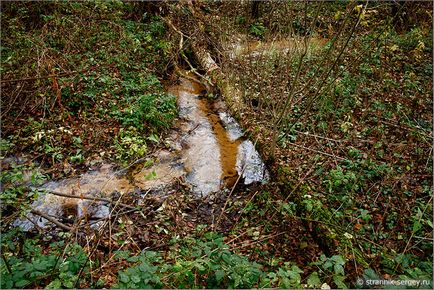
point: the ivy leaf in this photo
(370, 274)
(40, 265)
(135, 278)
(55, 284)
(219, 275)
(22, 283)
(313, 280)
(339, 281)
(124, 277)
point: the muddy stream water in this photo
(206, 149)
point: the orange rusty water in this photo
(228, 148)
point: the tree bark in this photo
(199, 43)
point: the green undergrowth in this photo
(371, 206)
(18, 190)
(80, 82)
(198, 261)
(105, 60)
(205, 263)
(366, 200)
(352, 200)
(354, 151)
(30, 263)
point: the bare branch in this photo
(88, 197)
(52, 220)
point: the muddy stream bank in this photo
(206, 149)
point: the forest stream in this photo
(216, 144)
(206, 149)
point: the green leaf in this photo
(55, 284)
(294, 275)
(135, 278)
(22, 283)
(124, 277)
(323, 258)
(370, 274)
(133, 259)
(40, 265)
(328, 265)
(154, 138)
(282, 273)
(309, 206)
(416, 226)
(144, 267)
(122, 254)
(339, 270)
(339, 281)
(296, 269)
(199, 266)
(219, 275)
(8, 284)
(285, 283)
(151, 175)
(338, 259)
(313, 280)
(272, 276)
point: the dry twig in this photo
(52, 220)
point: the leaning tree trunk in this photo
(215, 75)
(199, 44)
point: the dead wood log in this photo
(199, 43)
(52, 220)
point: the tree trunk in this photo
(199, 43)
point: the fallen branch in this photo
(38, 78)
(55, 75)
(242, 244)
(8, 267)
(35, 224)
(320, 152)
(106, 218)
(321, 137)
(88, 197)
(233, 188)
(52, 220)
(419, 130)
(181, 48)
(230, 194)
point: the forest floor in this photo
(350, 194)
